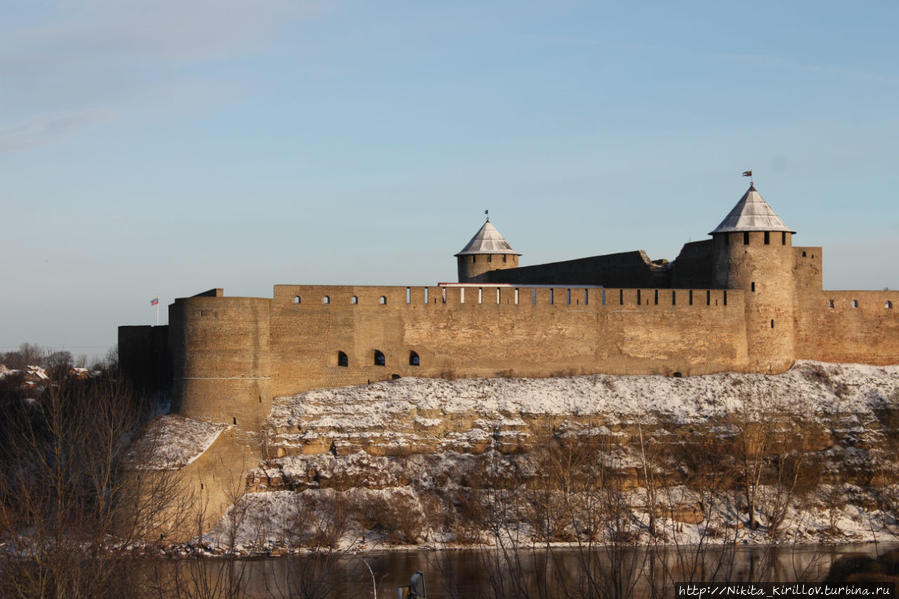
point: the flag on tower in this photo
(154, 301)
(747, 173)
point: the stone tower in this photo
(753, 252)
(486, 251)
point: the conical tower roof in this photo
(487, 241)
(752, 213)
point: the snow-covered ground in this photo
(172, 442)
(420, 445)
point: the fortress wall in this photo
(694, 265)
(867, 333)
(144, 357)
(543, 334)
(220, 349)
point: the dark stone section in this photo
(626, 269)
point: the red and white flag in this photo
(154, 301)
(747, 173)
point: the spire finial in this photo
(487, 214)
(749, 174)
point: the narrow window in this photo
(803, 254)
(855, 303)
(408, 295)
(234, 419)
(489, 258)
(655, 298)
(783, 238)
(603, 297)
(830, 304)
(745, 237)
(414, 360)
(708, 297)
(474, 259)
(552, 296)
(767, 238)
(504, 257)
(426, 295)
(296, 299)
(443, 295)
(639, 299)
(621, 297)
(326, 300)
(888, 305)
(753, 286)
(383, 300)
(772, 323)
(260, 399)
(516, 296)
(354, 300)
(690, 297)
(568, 297)
(534, 297)
(342, 359)
(498, 298)
(379, 358)
(480, 295)
(586, 297)
(461, 295)
(673, 297)
(725, 297)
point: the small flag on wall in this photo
(747, 173)
(154, 301)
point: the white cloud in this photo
(42, 129)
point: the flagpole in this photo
(157, 313)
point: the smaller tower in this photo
(486, 251)
(753, 252)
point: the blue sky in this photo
(162, 148)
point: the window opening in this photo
(603, 297)
(414, 360)
(354, 300)
(383, 300)
(489, 258)
(504, 257)
(234, 419)
(296, 299)
(673, 297)
(586, 297)
(326, 300)
(552, 296)
(783, 238)
(803, 254)
(621, 297)
(690, 297)
(426, 295)
(888, 305)
(474, 259)
(767, 238)
(830, 303)
(772, 323)
(745, 237)
(480, 295)
(639, 300)
(725, 297)
(534, 297)
(408, 295)
(342, 359)
(708, 297)
(380, 360)
(516, 296)
(568, 297)
(753, 286)
(855, 303)
(461, 295)
(498, 299)
(655, 297)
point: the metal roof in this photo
(487, 241)
(752, 213)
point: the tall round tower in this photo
(486, 251)
(753, 252)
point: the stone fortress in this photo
(746, 300)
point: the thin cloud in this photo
(43, 129)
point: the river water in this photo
(561, 572)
